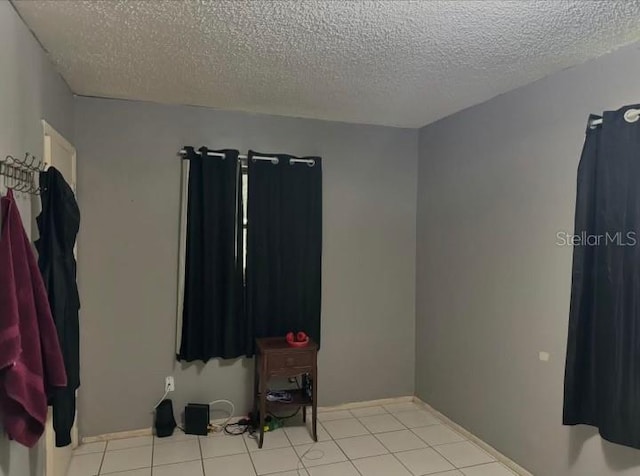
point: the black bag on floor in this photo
(165, 421)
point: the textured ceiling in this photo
(400, 63)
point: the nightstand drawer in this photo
(291, 361)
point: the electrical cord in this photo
(311, 449)
(220, 427)
(160, 401)
(242, 426)
(285, 417)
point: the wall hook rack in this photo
(19, 174)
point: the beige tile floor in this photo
(392, 440)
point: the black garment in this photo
(602, 377)
(58, 225)
(284, 250)
(213, 322)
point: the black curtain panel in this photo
(602, 377)
(284, 246)
(213, 320)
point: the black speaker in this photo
(165, 421)
(196, 419)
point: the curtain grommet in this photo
(632, 115)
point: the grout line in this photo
(374, 435)
(131, 448)
(470, 466)
(153, 444)
(201, 455)
(402, 464)
(331, 439)
(350, 460)
(510, 464)
(392, 453)
(433, 447)
(300, 462)
(480, 464)
(104, 453)
(445, 458)
(382, 442)
(402, 451)
(246, 447)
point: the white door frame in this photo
(51, 134)
(57, 460)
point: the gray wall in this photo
(128, 182)
(30, 90)
(496, 182)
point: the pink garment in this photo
(30, 359)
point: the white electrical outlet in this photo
(544, 356)
(169, 384)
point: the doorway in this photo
(61, 154)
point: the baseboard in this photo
(149, 431)
(470, 436)
(117, 435)
(369, 403)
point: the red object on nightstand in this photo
(303, 343)
(299, 339)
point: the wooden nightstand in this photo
(276, 358)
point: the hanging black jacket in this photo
(58, 225)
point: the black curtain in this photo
(213, 319)
(602, 377)
(284, 246)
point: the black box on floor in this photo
(196, 419)
(165, 422)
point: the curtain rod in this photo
(273, 160)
